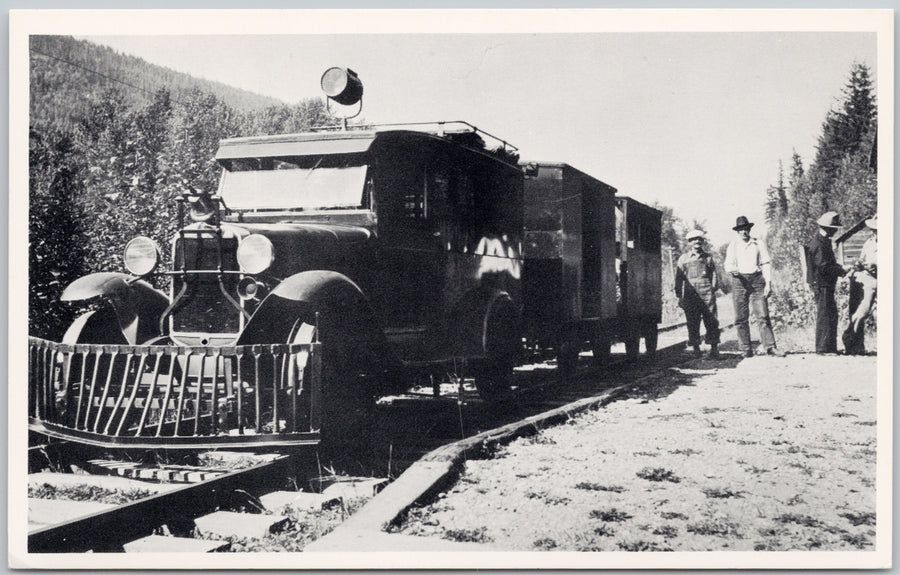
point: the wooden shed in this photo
(848, 245)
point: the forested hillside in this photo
(113, 140)
(842, 178)
(67, 74)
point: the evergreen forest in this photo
(113, 139)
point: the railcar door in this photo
(410, 260)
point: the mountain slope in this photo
(67, 74)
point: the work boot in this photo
(697, 352)
(747, 353)
(713, 351)
(775, 351)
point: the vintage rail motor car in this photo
(333, 266)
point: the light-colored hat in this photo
(872, 222)
(694, 234)
(829, 220)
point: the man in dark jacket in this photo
(822, 274)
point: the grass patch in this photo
(857, 519)
(859, 541)
(796, 500)
(807, 521)
(669, 515)
(540, 439)
(667, 531)
(641, 545)
(611, 515)
(716, 528)
(590, 486)
(843, 414)
(687, 452)
(85, 492)
(304, 527)
(604, 531)
(545, 544)
(721, 493)
(468, 535)
(804, 468)
(658, 474)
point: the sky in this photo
(698, 121)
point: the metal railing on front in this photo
(171, 395)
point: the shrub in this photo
(658, 474)
(610, 515)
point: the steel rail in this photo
(108, 531)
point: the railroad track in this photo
(402, 429)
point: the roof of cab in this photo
(315, 143)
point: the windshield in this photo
(283, 185)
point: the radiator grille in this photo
(205, 308)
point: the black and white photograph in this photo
(456, 288)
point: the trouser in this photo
(862, 297)
(826, 320)
(696, 310)
(748, 293)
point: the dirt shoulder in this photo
(765, 454)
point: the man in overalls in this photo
(696, 281)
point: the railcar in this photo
(592, 272)
(332, 267)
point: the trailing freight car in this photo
(592, 270)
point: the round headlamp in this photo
(141, 256)
(255, 254)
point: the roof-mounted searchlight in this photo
(342, 85)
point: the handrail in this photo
(168, 392)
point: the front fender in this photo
(138, 306)
(346, 323)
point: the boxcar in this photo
(592, 265)
(639, 259)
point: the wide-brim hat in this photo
(829, 220)
(741, 223)
(693, 234)
(872, 222)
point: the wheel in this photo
(600, 345)
(651, 337)
(493, 380)
(567, 355)
(502, 345)
(346, 405)
(632, 343)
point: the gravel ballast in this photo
(760, 454)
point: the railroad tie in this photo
(163, 544)
(175, 474)
(227, 524)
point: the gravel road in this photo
(764, 454)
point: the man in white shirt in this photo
(747, 260)
(863, 288)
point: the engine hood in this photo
(312, 246)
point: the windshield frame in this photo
(304, 183)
